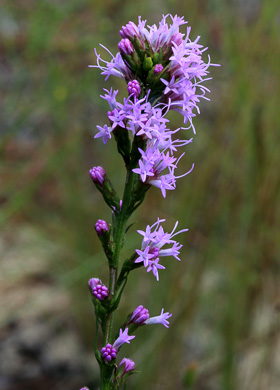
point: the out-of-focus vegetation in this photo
(225, 293)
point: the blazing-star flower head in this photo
(139, 316)
(128, 364)
(97, 175)
(154, 239)
(125, 47)
(101, 227)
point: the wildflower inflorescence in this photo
(154, 238)
(163, 70)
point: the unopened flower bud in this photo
(101, 227)
(148, 63)
(158, 68)
(98, 289)
(129, 365)
(103, 184)
(139, 316)
(134, 88)
(129, 31)
(108, 353)
(97, 174)
(125, 47)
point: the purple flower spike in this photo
(108, 353)
(139, 316)
(123, 338)
(187, 68)
(161, 319)
(158, 68)
(125, 47)
(101, 227)
(97, 174)
(129, 365)
(100, 291)
(134, 88)
(84, 388)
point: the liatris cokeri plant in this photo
(164, 71)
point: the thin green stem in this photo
(96, 335)
(118, 241)
(121, 217)
(109, 322)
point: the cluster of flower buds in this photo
(101, 227)
(98, 289)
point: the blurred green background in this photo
(225, 294)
